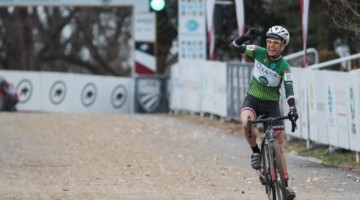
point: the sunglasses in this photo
(270, 41)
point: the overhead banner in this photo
(192, 30)
(73, 3)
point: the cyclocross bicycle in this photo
(272, 173)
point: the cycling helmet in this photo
(279, 32)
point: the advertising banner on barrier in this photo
(66, 92)
(238, 80)
(299, 86)
(177, 88)
(331, 108)
(342, 112)
(190, 72)
(354, 111)
(207, 86)
(93, 94)
(321, 101)
(56, 93)
(218, 77)
(302, 104)
(151, 94)
(192, 30)
(27, 86)
(312, 107)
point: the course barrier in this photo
(328, 102)
(67, 92)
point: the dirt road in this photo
(98, 156)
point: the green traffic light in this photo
(157, 5)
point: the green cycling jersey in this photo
(268, 74)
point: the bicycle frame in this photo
(271, 159)
(269, 138)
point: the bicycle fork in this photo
(270, 158)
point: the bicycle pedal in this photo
(262, 179)
(290, 194)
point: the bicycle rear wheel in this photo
(279, 184)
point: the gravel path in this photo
(100, 156)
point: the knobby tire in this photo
(266, 166)
(279, 185)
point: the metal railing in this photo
(333, 62)
(301, 53)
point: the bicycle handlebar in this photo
(268, 120)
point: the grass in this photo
(338, 158)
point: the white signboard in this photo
(354, 111)
(297, 75)
(219, 97)
(341, 104)
(331, 114)
(145, 24)
(192, 30)
(56, 93)
(321, 101)
(191, 98)
(312, 107)
(66, 92)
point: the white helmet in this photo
(279, 32)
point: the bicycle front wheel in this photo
(279, 171)
(267, 165)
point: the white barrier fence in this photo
(328, 101)
(333, 107)
(199, 87)
(64, 92)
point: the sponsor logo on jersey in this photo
(250, 47)
(287, 76)
(263, 80)
(265, 75)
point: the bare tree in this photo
(345, 14)
(83, 40)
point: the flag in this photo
(240, 17)
(305, 18)
(210, 7)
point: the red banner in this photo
(240, 17)
(305, 19)
(210, 7)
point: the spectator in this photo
(8, 96)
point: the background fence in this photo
(66, 92)
(328, 101)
